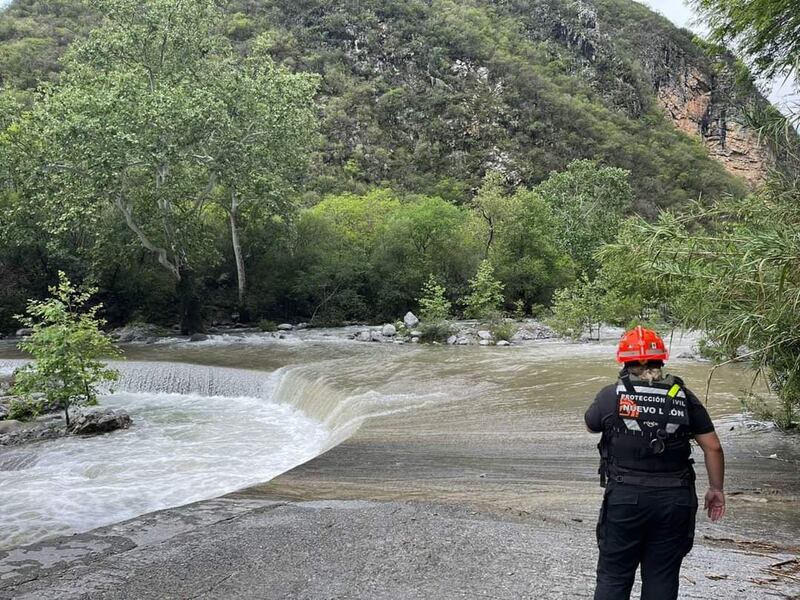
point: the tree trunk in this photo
(191, 317)
(241, 275)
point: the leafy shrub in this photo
(433, 304)
(503, 330)
(486, 297)
(437, 331)
(267, 325)
(67, 345)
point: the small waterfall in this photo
(304, 388)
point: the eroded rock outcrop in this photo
(699, 103)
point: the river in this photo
(499, 428)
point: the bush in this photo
(436, 332)
(24, 410)
(267, 325)
(66, 344)
(433, 304)
(503, 330)
(486, 298)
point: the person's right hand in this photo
(715, 504)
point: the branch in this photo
(161, 253)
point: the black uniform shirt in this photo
(604, 407)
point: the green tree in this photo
(486, 298)
(66, 345)
(589, 203)
(433, 303)
(156, 117)
(766, 31)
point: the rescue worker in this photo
(647, 519)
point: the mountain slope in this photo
(427, 95)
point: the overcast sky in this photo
(783, 95)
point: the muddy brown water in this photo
(500, 429)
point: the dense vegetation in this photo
(729, 269)
(446, 133)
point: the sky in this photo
(783, 94)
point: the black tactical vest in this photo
(647, 441)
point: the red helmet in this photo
(641, 344)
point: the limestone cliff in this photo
(700, 103)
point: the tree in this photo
(67, 346)
(589, 203)
(434, 306)
(486, 297)
(156, 116)
(766, 31)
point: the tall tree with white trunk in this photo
(159, 119)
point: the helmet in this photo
(641, 344)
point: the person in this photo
(647, 518)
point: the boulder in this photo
(485, 335)
(138, 332)
(197, 337)
(364, 336)
(285, 327)
(452, 340)
(462, 341)
(389, 330)
(503, 343)
(410, 320)
(415, 340)
(415, 333)
(11, 426)
(375, 336)
(302, 326)
(100, 420)
(24, 332)
(484, 342)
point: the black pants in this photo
(651, 527)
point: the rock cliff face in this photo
(698, 92)
(699, 103)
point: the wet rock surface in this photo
(236, 548)
(100, 420)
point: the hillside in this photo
(426, 96)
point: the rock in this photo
(198, 337)
(503, 343)
(285, 327)
(415, 333)
(415, 340)
(389, 330)
(100, 420)
(364, 336)
(24, 332)
(484, 342)
(302, 326)
(11, 426)
(688, 355)
(3, 412)
(375, 336)
(138, 332)
(452, 340)
(462, 341)
(410, 320)
(485, 335)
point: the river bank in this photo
(450, 473)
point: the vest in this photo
(647, 441)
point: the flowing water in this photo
(237, 410)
